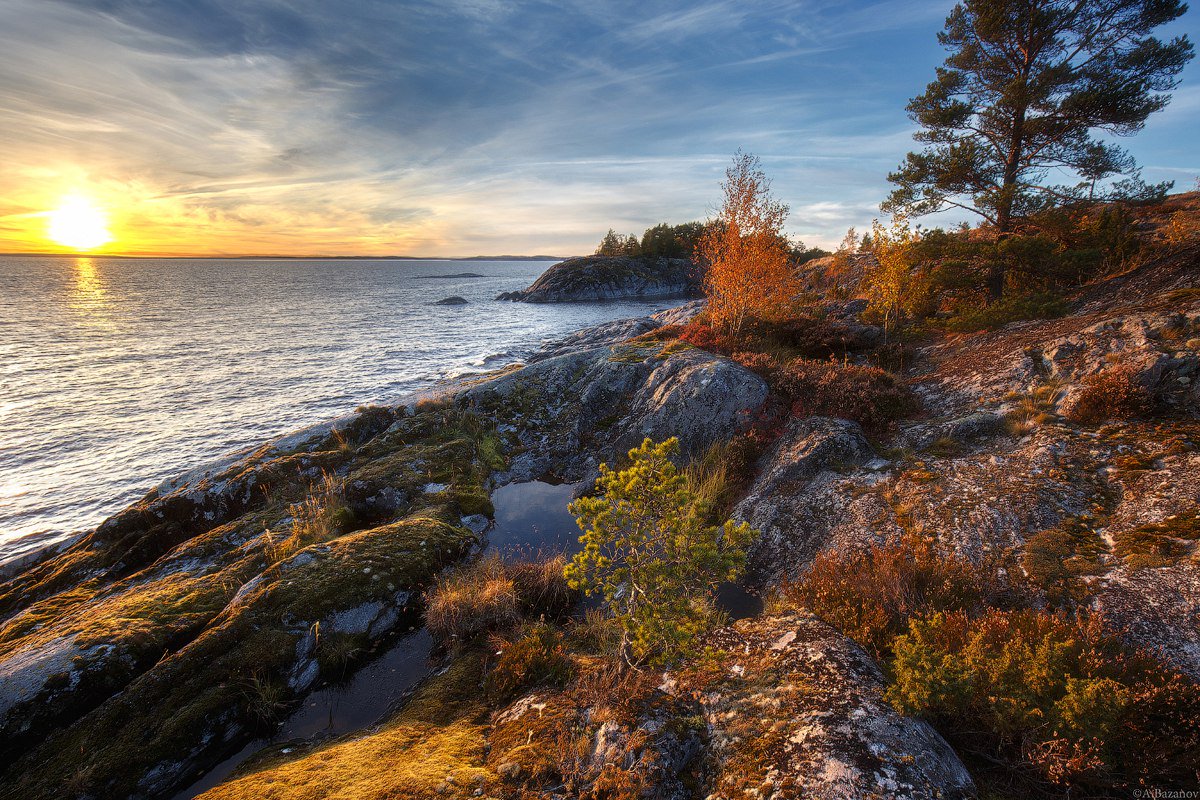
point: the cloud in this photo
(458, 127)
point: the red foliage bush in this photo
(1113, 394)
(871, 595)
(870, 396)
(707, 338)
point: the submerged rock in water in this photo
(454, 300)
(592, 278)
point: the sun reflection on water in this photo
(89, 294)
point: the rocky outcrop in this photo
(998, 458)
(592, 278)
(799, 712)
(796, 480)
(617, 331)
(573, 411)
(453, 300)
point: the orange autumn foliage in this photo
(748, 274)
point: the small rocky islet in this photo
(138, 657)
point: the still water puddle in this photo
(531, 519)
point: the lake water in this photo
(115, 373)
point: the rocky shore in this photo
(176, 632)
(598, 278)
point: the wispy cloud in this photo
(458, 127)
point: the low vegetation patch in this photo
(532, 656)
(491, 595)
(1060, 559)
(1160, 544)
(871, 595)
(1055, 696)
(1042, 305)
(1114, 394)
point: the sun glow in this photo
(78, 224)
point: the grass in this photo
(322, 515)
(1033, 408)
(491, 595)
(436, 747)
(472, 600)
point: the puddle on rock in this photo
(532, 518)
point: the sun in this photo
(79, 224)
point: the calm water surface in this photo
(115, 374)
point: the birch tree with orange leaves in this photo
(748, 274)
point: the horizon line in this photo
(311, 257)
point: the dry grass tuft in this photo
(491, 596)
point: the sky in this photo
(463, 127)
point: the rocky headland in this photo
(597, 278)
(137, 658)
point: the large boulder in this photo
(591, 278)
(799, 712)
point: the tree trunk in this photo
(996, 271)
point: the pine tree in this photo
(611, 244)
(649, 553)
(1026, 84)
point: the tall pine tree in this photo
(1027, 85)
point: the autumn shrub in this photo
(533, 655)
(1115, 393)
(706, 337)
(1054, 696)
(870, 396)
(808, 337)
(872, 594)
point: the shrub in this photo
(472, 600)
(1114, 393)
(972, 318)
(1057, 696)
(534, 655)
(1057, 560)
(650, 554)
(870, 396)
(870, 595)
(702, 335)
